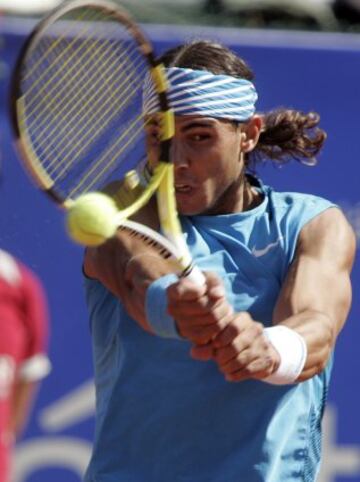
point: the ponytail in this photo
(287, 135)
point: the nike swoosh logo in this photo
(261, 252)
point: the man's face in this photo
(208, 164)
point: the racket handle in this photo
(196, 275)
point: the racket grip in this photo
(196, 276)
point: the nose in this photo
(178, 155)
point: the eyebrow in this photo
(197, 123)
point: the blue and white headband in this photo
(199, 92)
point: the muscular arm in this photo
(126, 267)
(316, 296)
(314, 301)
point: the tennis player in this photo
(224, 382)
(23, 350)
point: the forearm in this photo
(319, 333)
(107, 263)
(126, 268)
(318, 315)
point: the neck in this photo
(250, 197)
(239, 197)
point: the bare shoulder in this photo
(329, 234)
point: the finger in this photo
(225, 354)
(238, 376)
(202, 352)
(243, 329)
(261, 367)
(215, 286)
(184, 290)
(251, 339)
(199, 334)
(228, 335)
(239, 362)
(258, 369)
(200, 312)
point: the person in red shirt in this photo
(23, 346)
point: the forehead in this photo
(187, 122)
(183, 123)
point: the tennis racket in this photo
(77, 109)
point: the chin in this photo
(187, 212)
(191, 212)
(188, 207)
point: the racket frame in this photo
(17, 98)
(162, 179)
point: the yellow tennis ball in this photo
(91, 220)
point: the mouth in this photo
(189, 198)
(182, 188)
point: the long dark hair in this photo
(287, 134)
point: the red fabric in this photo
(24, 322)
(23, 316)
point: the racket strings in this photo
(59, 39)
(152, 243)
(65, 77)
(119, 143)
(69, 82)
(105, 164)
(57, 97)
(96, 123)
(83, 104)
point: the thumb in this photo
(215, 285)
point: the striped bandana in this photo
(199, 92)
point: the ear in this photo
(250, 133)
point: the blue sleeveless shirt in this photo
(164, 417)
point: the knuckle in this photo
(245, 317)
(224, 357)
(220, 309)
(244, 358)
(265, 366)
(235, 328)
(233, 344)
(202, 337)
(269, 370)
(247, 339)
(221, 323)
(257, 328)
(253, 368)
(265, 344)
(203, 303)
(219, 341)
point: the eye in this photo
(153, 136)
(199, 136)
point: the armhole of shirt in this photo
(305, 218)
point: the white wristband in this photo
(293, 353)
